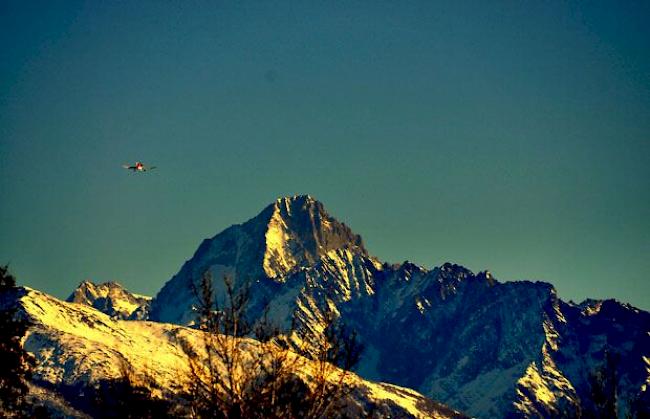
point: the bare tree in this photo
(130, 395)
(233, 376)
(334, 351)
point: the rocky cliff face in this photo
(488, 348)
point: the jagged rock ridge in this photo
(488, 348)
(111, 298)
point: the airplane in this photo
(138, 167)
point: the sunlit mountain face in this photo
(112, 299)
(79, 349)
(488, 348)
(437, 342)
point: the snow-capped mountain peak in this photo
(111, 298)
(290, 234)
(486, 347)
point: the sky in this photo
(510, 136)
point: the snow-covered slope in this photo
(113, 299)
(77, 346)
(488, 348)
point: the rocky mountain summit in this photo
(286, 237)
(485, 347)
(113, 299)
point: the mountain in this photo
(77, 348)
(288, 235)
(111, 298)
(488, 348)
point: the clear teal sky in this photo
(510, 136)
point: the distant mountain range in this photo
(487, 348)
